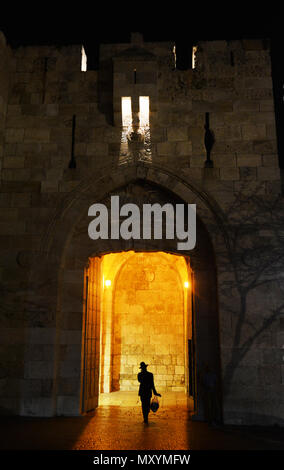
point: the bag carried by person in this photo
(154, 404)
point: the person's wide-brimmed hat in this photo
(142, 364)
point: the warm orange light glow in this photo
(186, 285)
(141, 321)
(194, 50)
(126, 111)
(144, 111)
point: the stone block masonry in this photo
(140, 331)
(47, 88)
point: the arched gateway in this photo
(92, 332)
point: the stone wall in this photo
(148, 325)
(47, 89)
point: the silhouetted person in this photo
(146, 380)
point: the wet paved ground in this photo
(122, 428)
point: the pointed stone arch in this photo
(58, 275)
(69, 208)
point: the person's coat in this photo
(146, 380)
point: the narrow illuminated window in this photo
(83, 60)
(126, 111)
(144, 111)
(175, 56)
(194, 50)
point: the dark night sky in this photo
(169, 21)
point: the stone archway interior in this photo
(77, 298)
(145, 316)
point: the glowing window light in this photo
(194, 50)
(175, 56)
(107, 283)
(144, 111)
(186, 285)
(126, 111)
(83, 60)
